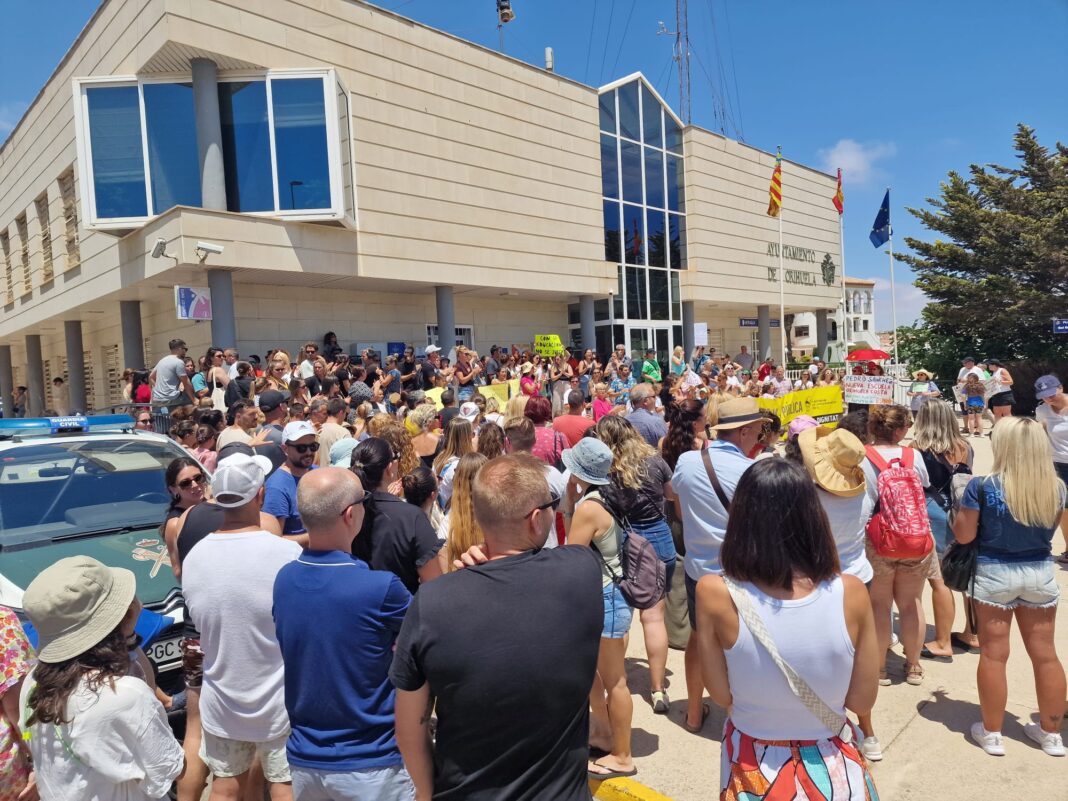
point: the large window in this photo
(285, 143)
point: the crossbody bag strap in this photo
(714, 480)
(805, 694)
(615, 577)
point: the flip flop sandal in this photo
(706, 710)
(1062, 559)
(927, 653)
(960, 642)
(611, 774)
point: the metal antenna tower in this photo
(681, 56)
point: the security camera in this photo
(504, 11)
(160, 248)
(209, 247)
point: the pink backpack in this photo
(899, 527)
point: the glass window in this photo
(655, 228)
(600, 309)
(659, 307)
(676, 200)
(346, 152)
(633, 234)
(246, 146)
(117, 156)
(631, 160)
(300, 143)
(612, 247)
(607, 105)
(609, 167)
(654, 133)
(677, 234)
(173, 160)
(676, 332)
(573, 314)
(618, 302)
(637, 305)
(673, 134)
(676, 301)
(628, 111)
(654, 177)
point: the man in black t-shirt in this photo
(511, 685)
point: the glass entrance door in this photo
(658, 337)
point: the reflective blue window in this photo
(300, 143)
(609, 167)
(656, 229)
(676, 301)
(173, 161)
(628, 111)
(654, 177)
(637, 300)
(117, 156)
(675, 198)
(346, 154)
(674, 134)
(246, 146)
(677, 235)
(631, 162)
(659, 307)
(612, 246)
(651, 128)
(633, 234)
(607, 106)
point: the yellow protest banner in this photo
(824, 404)
(435, 395)
(513, 387)
(548, 344)
(498, 391)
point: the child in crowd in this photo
(975, 394)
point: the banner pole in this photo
(843, 332)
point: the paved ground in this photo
(923, 729)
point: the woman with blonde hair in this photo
(678, 361)
(640, 483)
(492, 413)
(363, 414)
(423, 420)
(945, 454)
(1012, 514)
(462, 530)
(459, 440)
(515, 408)
(393, 432)
(277, 376)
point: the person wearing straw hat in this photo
(833, 459)
(923, 387)
(94, 730)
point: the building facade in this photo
(327, 165)
(853, 323)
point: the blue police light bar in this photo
(71, 424)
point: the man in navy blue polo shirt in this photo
(336, 622)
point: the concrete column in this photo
(223, 318)
(586, 323)
(7, 379)
(72, 331)
(34, 376)
(764, 332)
(446, 319)
(133, 341)
(209, 133)
(687, 330)
(821, 333)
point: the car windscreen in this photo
(56, 489)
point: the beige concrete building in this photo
(328, 165)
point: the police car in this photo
(92, 486)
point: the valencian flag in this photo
(880, 229)
(775, 190)
(637, 241)
(839, 199)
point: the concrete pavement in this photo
(923, 730)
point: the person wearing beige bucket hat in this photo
(923, 387)
(94, 730)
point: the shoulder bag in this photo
(643, 581)
(805, 694)
(961, 560)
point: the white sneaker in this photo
(1048, 741)
(989, 741)
(871, 749)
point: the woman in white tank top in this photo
(821, 623)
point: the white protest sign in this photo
(700, 334)
(868, 389)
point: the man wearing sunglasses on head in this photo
(300, 447)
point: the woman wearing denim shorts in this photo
(1013, 513)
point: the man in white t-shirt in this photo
(242, 703)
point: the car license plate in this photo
(166, 654)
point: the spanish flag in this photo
(839, 199)
(775, 190)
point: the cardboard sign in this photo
(868, 389)
(822, 403)
(548, 345)
(700, 334)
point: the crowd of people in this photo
(390, 600)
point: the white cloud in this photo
(10, 113)
(857, 160)
(910, 300)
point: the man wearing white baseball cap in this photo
(228, 582)
(301, 447)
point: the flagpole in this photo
(893, 286)
(782, 297)
(842, 334)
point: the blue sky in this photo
(896, 94)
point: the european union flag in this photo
(880, 229)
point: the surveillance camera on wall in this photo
(209, 247)
(160, 248)
(504, 11)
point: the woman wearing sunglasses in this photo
(186, 484)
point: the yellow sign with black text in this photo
(824, 404)
(548, 345)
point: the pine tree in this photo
(999, 272)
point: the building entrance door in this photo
(658, 337)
